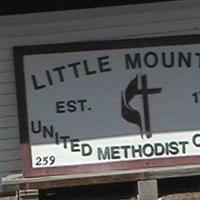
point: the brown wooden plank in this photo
(18, 182)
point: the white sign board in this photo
(109, 105)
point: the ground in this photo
(181, 196)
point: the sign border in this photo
(21, 51)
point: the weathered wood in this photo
(9, 155)
(9, 133)
(7, 77)
(9, 144)
(5, 54)
(12, 165)
(6, 66)
(6, 111)
(18, 182)
(7, 89)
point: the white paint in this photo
(171, 109)
(66, 157)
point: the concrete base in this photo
(147, 190)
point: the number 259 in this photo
(45, 161)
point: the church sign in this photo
(110, 105)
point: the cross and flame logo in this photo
(132, 115)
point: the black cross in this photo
(145, 91)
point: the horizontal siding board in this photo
(7, 77)
(8, 122)
(6, 54)
(6, 66)
(8, 155)
(9, 144)
(104, 22)
(14, 165)
(8, 111)
(139, 30)
(8, 100)
(50, 38)
(9, 133)
(7, 89)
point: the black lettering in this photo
(82, 103)
(60, 72)
(103, 61)
(195, 140)
(196, 97)
(49, 78)
(183, 60)
(125, 149)
(133, 63)
(115, 152)
(65, 140)
(57, 138)
(103, 155)
(159, 149)
(148, 150)
(198, 54)
(48, 131)
(86, 150)
(39, 127)
(134, 151)
(60, 107)
(173, 148)
(170, 60)
(183, 145)
(151, 59)
(74, 66)
(71, 106)
(35, 83)
(38, 161)
(86, 67)
(167, 149)
(75, 146)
